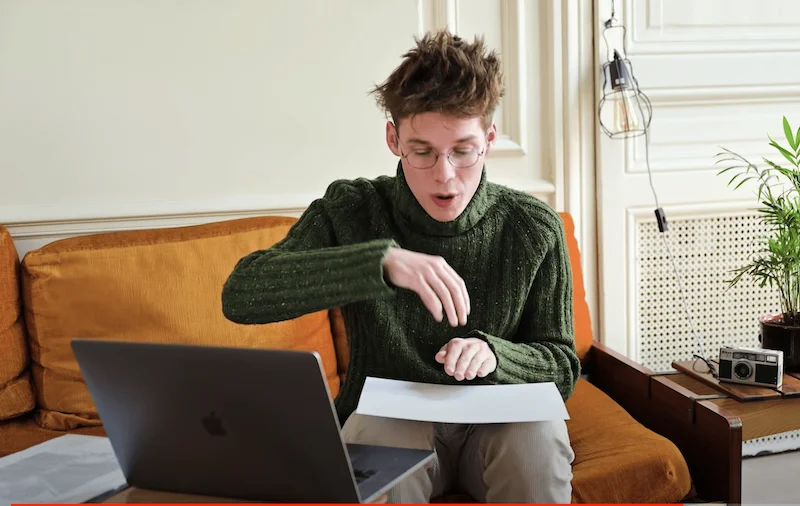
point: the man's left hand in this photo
(467, 358)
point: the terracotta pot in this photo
(774, 335)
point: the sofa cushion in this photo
(16, 391)
(580, 308)
(618, 460)
(161, 285)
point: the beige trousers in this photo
(495, 463)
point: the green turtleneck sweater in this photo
(508, 246)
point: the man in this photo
(442, 276)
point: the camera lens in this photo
(742, 370)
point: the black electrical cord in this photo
(663, 228)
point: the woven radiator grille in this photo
(705, 251)
(777, 443)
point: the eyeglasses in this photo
(425, 158)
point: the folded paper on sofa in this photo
(68, 469)
(531, 402)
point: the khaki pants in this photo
(496, 463)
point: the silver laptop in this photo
(235, 423)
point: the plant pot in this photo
(775, 335)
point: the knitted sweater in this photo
(508, 246)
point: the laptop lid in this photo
(219, 421)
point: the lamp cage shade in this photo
(624, 111)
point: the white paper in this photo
(529, 402)
(68, 469)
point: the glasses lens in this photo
(464, 158)
(422, 160)
(427, 159)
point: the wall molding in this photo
(683, 155)
(576, 101)
(156, 210)
(513, 132)
(649, 35)
(513, 139)
(555, 106)
(722, 95)
(32, 227)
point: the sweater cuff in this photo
(512, 365)
(376, 255)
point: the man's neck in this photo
(413, 216)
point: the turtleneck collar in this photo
(409, 211)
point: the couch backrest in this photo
(160, 285)
(580, 308)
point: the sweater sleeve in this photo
(543, 348)
(305, 272)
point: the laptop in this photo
(238, 423)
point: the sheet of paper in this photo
(533, 402)
(68, 469)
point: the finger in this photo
(463, 288)
(454, 286)
(467, 356)
(441, 354)
(488, 366)
(429, 298)
(474, 366)
(446, 298)
(453, 352)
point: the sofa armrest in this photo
(625, 381)
(709, 437)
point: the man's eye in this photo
(463, 151)
(422, 153)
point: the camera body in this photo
(751, 366)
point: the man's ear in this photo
(491, 137)
(391, 138)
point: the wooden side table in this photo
(763, 411)
(688, 397)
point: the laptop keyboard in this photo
(362, 475)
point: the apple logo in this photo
(213, 425)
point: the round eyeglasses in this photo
(425, 158)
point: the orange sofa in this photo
(164, 285)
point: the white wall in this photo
(124, 101)
(122, 114)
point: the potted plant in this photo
(776, 263)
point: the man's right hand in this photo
(439, 286)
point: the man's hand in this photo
(467, 358)
(432, 278)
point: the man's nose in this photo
(443, 170)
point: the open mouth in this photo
(444, 199)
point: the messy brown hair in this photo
(445, 74)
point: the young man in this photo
(442, 277)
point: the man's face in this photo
(443, 185)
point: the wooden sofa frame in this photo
(709, 437)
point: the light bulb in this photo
(625, 117)
(625, 103)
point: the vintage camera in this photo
(751, 366)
